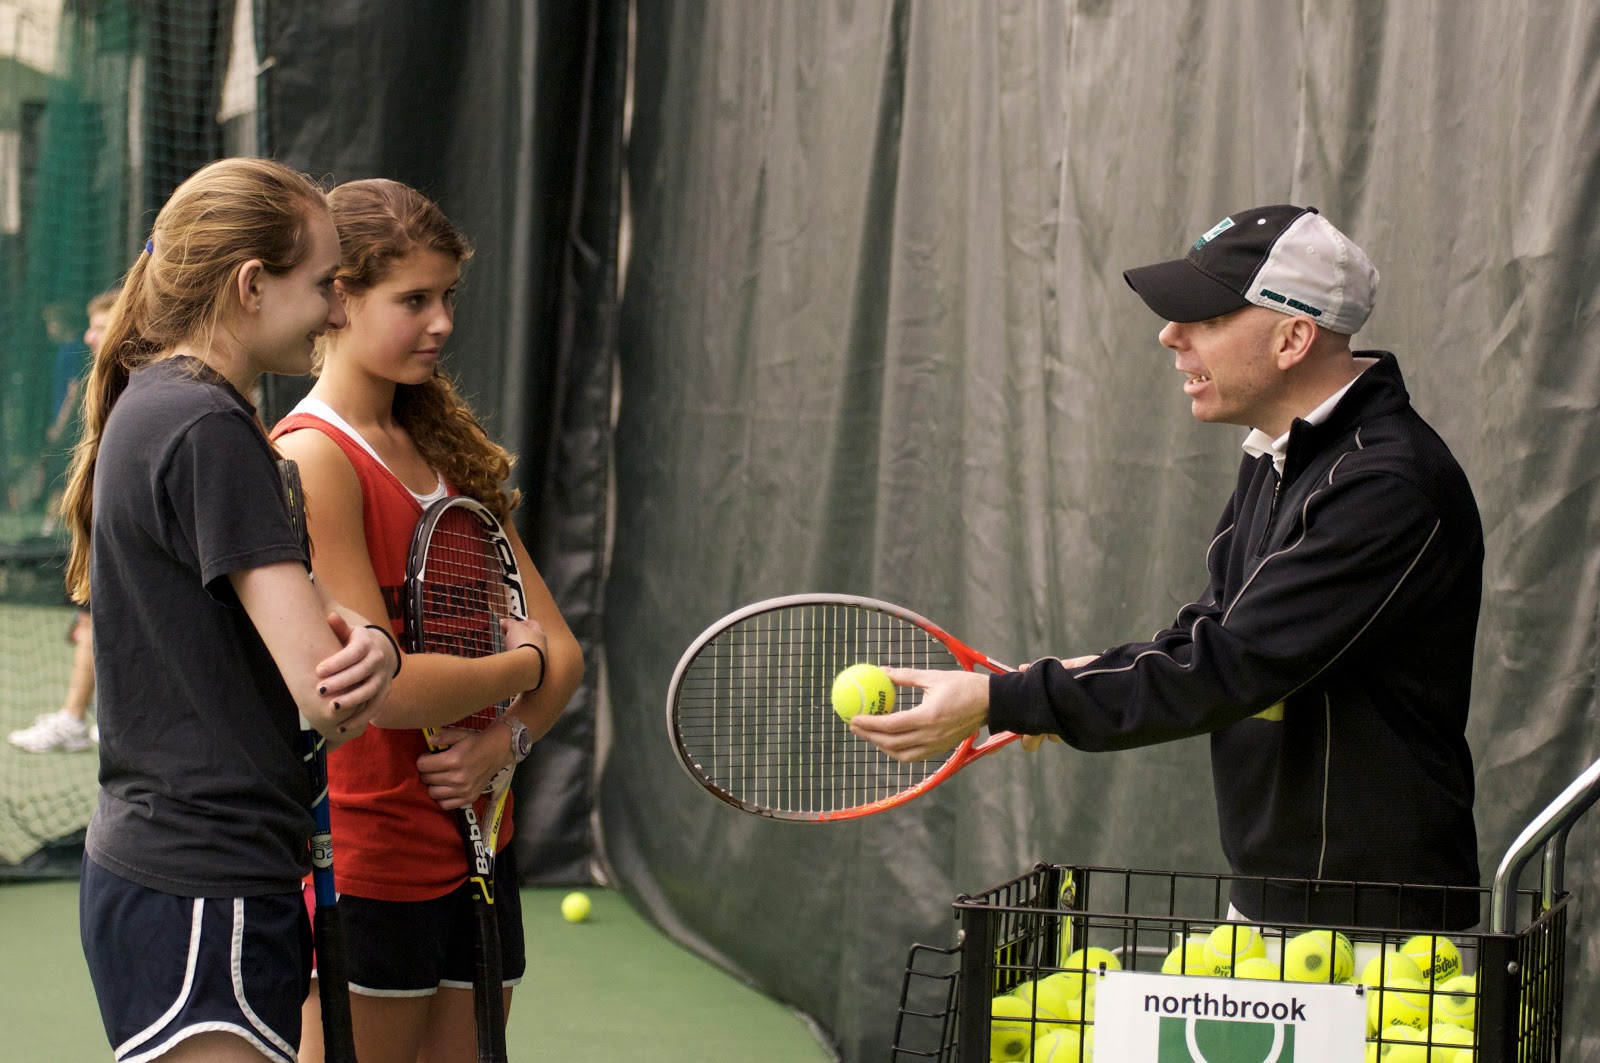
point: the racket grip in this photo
(333, 987)
(489, 997)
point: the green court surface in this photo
(608, 989)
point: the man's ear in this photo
(1293, 340)
(247, 284)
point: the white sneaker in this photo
(54, 732)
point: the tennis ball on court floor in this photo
(1010, 1029)
(1438, 956)
(1401, 1002)
(1189, 957)
(1070, 1044)
(1230, 943)
(862, 688)
(1387, 966)
(1319, 956)
(1456, 1001)
(575, 907)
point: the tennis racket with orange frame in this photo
(750, 714)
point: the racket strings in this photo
(755, 713)
(464, 597)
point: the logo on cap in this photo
(1268, 293)
(1216, 230)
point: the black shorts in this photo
(166, 968)
(412, 948)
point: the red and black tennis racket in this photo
(461, 581)
(333, 969)
(750, 713)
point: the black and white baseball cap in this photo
(1285, 258)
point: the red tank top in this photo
(391, 841)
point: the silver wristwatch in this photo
(521, 738)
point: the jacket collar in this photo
(1378, 391)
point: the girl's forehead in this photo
(422, 268)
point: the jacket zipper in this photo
(1272, 514)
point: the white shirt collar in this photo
(1258, 443)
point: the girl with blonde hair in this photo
(211, 641)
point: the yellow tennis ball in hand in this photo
(575, 907)
(1438, 956)
(862, 688)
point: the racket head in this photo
(462, 578)
(750, 712)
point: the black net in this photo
(105, 107)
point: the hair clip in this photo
(150, 246)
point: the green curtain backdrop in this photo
(875, 339)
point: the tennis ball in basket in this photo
(1230, 943)
(1438, 956)
(1091, 959)
(1189, 957)
(1387, 966)
(1071, 1044)
(1399, 1044)
(1258, 967)
(1051, 1000)
(862, 688)
(1401, 1001)
(1010, 1029)
(1456, 1001)
(575, 907)
(1447, 1033)
(1319, 956)
(1079, 976)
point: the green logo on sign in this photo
(1225, 1041)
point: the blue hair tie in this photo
(150, 246)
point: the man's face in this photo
(1233, 377)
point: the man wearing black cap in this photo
(1330, 657)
